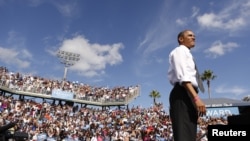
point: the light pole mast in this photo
(68, 59)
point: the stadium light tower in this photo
(68, 59)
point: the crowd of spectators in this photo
(45, 121)
(36, 84)
(73, 123)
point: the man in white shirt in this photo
(185, 105)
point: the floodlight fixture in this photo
(68, 59)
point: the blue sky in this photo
(127, 42)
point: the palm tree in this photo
(208, 75)
(155, 94)
(246, 98)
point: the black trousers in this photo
(183, 115)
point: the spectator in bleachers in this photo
(64, 122)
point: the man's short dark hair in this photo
(181, 34)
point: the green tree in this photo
(155, 94)
(207, 76)
(246, 98)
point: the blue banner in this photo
(225, 111)
(60, 94)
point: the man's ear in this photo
(180, 39)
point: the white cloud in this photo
(12, 57)
(25, 54)
(220, 21)
(231, 90)
(93, 57)
(195, 11)
(14, 53)
(231, 17)
(219, 49)
(181, 22)
(67, 9)
(186, 20)
(159, 34)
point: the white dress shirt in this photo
(181, 66)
